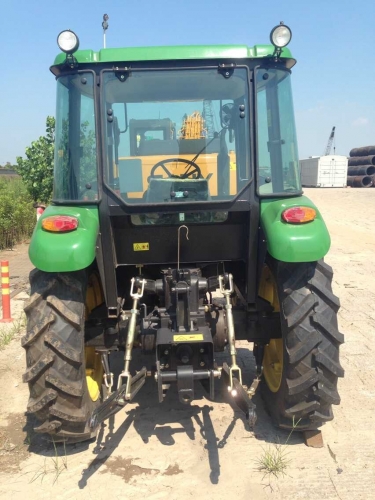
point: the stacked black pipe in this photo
(361, 167)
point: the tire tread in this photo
(54, 347)
(312, 340)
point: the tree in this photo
(8, 166)
(37, 169)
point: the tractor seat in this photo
(177, 190)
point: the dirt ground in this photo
(172, 452)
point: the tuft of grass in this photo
(7, 334)
(54, 466)
(274, 460)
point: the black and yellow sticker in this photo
(188, 337)
(141, 247)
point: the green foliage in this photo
(9, 166)
(88, 161)
(37, 169)
(70, 182)
(9, 331)
(274, 461)
(17, 215)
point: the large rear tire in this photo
(301, 370)
(55, 356)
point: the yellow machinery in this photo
(193, 127)
(192, 140)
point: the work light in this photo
(280, 36)
(68, 41)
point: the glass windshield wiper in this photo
(193, 160)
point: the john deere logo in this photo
(141, 247)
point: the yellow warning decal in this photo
(233, 165)
(189, 337)
(141, 247)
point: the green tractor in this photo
(178, 226)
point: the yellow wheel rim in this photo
(94, 372)
(273, 352)
(273, 364)
(94, 367)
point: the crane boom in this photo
(330, 141)
(208, 115)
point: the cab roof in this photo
(175, 53)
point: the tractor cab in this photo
(178, 226)
(177, 136)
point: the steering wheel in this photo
(195, 173)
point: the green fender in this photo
(70, 251)
(293, 242)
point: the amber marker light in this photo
(59, 223)
(298, 215)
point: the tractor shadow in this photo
(165, 421)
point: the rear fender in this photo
(293, 242)
(67, 251)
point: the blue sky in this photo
(333, 82)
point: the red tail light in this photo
(60, 223)
(298, 215)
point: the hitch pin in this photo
(107, 375)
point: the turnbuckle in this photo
(232, 374)
(125, 378)
(127, 386)
(234, 369)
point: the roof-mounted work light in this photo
(280, 36)
(68, 42)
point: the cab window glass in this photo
(278, 169)
(75, 176)
(177, 136)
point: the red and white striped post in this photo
(5, 292)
